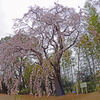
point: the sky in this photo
(12, 9)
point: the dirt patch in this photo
(90, 96)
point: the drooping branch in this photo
(48, 57)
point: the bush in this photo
(91, 86)
(25, 91)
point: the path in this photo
(6, 97)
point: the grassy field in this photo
(90, 96)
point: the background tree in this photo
(12, 62)
(67, 70)
(88, 45)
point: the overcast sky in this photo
(11, 9)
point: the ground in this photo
(89, 96)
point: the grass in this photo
(90, 96)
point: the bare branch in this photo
(72, 43)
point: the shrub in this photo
(25, 91)
(91, 86)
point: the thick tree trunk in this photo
(23, 83)
(58, 86)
